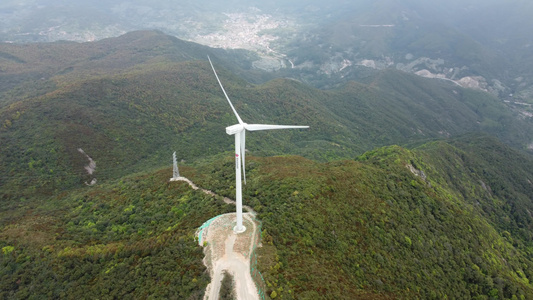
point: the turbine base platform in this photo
(240, 230)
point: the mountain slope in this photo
(150, 95)
(504, 175)
(30, 66)
(451, 217)
(397, 223)
(131, 238)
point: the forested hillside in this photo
(129, 102)
(402, 187)
(431, 223)
(133, 238)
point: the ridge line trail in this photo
(228, 251)
(226, 199)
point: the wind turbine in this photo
(240, 141)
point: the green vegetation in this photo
(444, 213)
(431, 222)
(394, 223)
(133, 238)
(227, 288)
(129, 102)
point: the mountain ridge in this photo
(398, 174)
(485, 41)
(162, 100)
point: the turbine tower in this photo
(175, 171)
(240, 141)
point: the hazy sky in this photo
(47, 20)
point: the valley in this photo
(313, 42)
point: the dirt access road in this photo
(228, 251)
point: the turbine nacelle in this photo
(233, 129)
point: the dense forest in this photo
(129, 102)
(403, 187)
(433, 214)
(394, 223)
(132, 238)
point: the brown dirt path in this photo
(227, 251)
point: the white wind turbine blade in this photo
(255, 127)
(243, 153)
(229, 101)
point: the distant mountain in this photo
(478, 44)
(129, 102)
